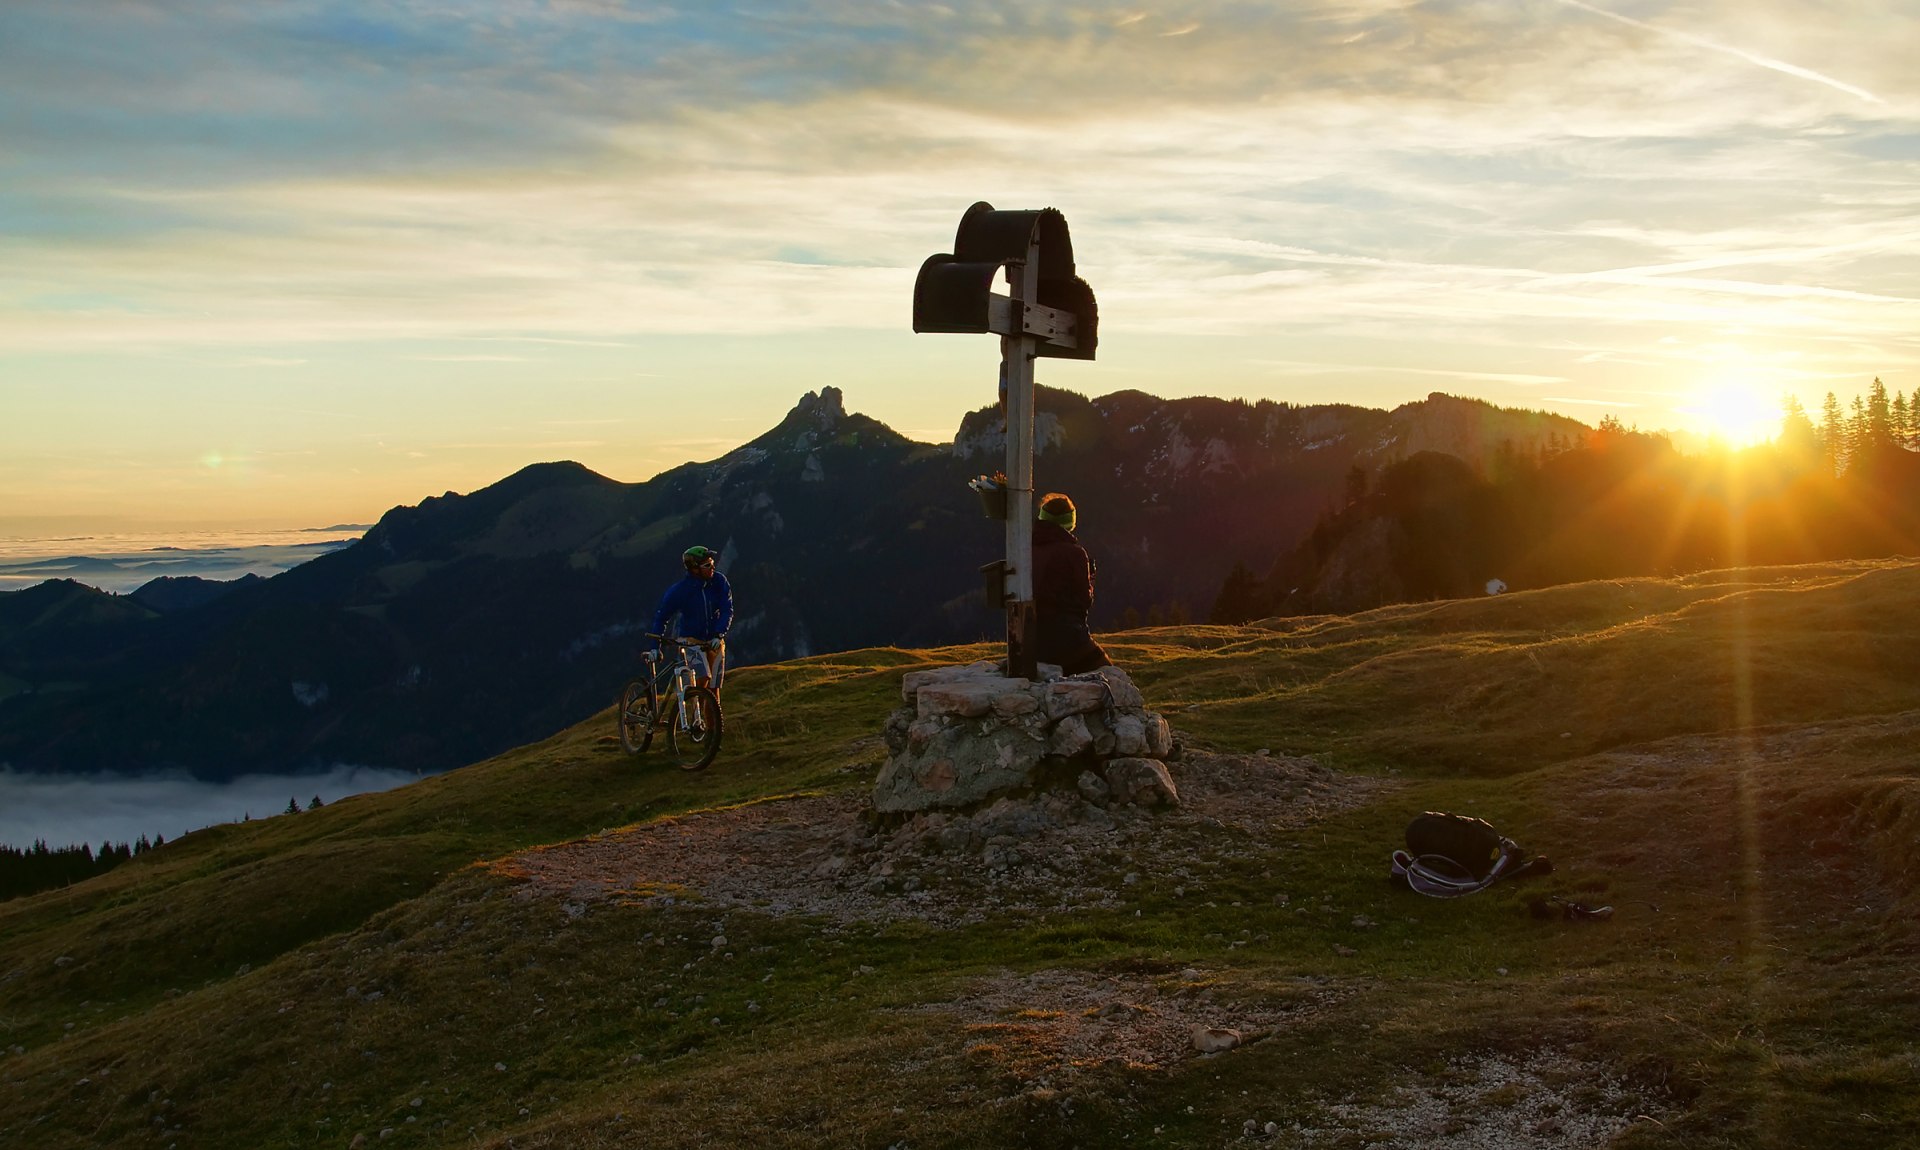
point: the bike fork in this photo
(680, 700)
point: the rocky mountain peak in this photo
(824, 409)
(818, 418)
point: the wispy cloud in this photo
(436, 211)
(263, 361)
(549, 340)
(468, 358)
(1389, 369)
(1729, 50)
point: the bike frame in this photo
(675, 673)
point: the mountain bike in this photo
(669, 695)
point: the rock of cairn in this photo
(969, 735)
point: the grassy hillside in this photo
(1729, 760)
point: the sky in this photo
(290, 264)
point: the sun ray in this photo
(1735, 410)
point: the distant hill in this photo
(471, 623)
(183, 592)
(59, 627)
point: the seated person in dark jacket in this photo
(1063, 590)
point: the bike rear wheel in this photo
(635, 717)
(694, 733)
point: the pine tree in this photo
(1859, 438)
(293, 807)
(316, 804)
(1239, 596)
(1798, 440)
(1356, 485)
(1879, 418)
(1833, 432)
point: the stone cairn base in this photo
(968, 736)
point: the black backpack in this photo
(1450, 855)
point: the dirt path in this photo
(817, 855)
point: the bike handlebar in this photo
(677, 640)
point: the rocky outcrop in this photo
(984, 434)
(1474, 430)
(967, 736)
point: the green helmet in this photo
(695, 556)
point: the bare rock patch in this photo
(1048, 1026)
(824, 855)
(1540, 1100)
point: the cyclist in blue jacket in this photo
(703, 602)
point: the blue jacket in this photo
(705, 607)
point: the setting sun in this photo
(1737, 413)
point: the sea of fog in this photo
(71, 809)
(122, 562)
(67, 810)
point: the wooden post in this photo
(1048, 311)
(1016, 356)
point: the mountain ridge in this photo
(472, 622)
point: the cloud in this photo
(1715, 46)
(263, 361)
(71, 809)
(1584, 401)
(468, 358)
(548, 339)
(397, 180)
(1485, 376)
(124, 563)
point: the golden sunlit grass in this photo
(1728, 759)
(1504, 684)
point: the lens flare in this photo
(1740, 414)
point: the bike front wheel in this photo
(635, 717)
(694, 733)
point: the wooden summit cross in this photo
(1049, 311)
